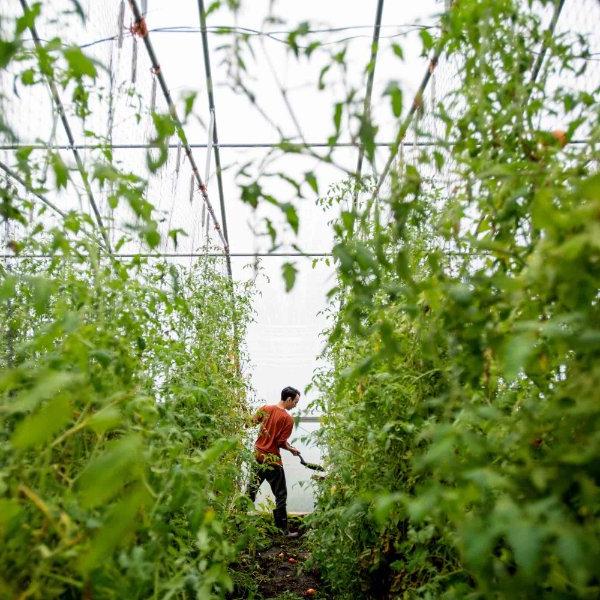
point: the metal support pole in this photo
(369, 92)
(39, 196)
(63, 117)
(211, 107)
(10, 325)
(142, 30)
(416, 104)
(535, 71)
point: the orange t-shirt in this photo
(276, 428)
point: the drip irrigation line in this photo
(355, 37)
(142, 30)
(39, 196)
(63, 117)
(237, 30)
(225, 29)
(233, 146)
(368, 94)
(215, 137)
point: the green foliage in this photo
(395, 94)
(462, 404)
(79, 64)
(289, 272)
(120, 445)
(122, 403)
(462, 407)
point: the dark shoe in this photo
(281, 522)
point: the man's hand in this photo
(291, 449)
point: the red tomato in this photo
(560, 136)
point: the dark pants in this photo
(275, 475)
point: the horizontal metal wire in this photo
(309, 419)
(188, 255)
(467, 253)
(18, 146)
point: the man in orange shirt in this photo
(276, 428)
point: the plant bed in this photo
(277, 569)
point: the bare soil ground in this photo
(279, 572)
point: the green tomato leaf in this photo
(291, 216)
(40, 426)
(397, 48)
(61, 172)
(311, 179)
(79, 64)
(289, 272)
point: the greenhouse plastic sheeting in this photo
(285, 339)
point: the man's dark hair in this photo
(289, 392)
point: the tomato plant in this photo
(461, 405)
(462, 437)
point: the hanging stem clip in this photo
(139, 28)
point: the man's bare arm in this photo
(282, 440)
(293, 450)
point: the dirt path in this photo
(281, 574)
(277, 572)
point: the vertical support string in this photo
(134, 56)
(121, 24)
